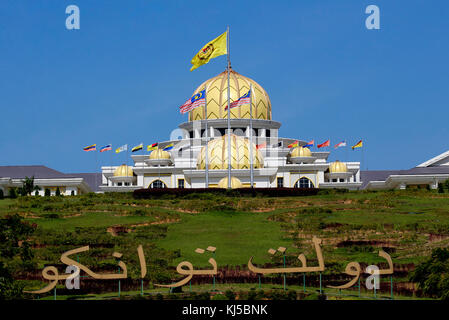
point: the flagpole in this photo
(229, 112)
(251, 134)
(96, 167)
(363, 153)
(207, 139)
(346, 152)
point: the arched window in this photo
(157, 184)
(304, 183)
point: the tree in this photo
(58, 192)
(14, 247)
(12, 193)
(21, 191)
(28, 186)
(2, 195)
(36, 190)
(47, 192)
(432, 275)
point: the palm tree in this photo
(28, 185)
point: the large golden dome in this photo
(337, 167)
(240, 154)
(123, 171)
(235, 183)
(159, 154)
(300, 152)
(217, 98)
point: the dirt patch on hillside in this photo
(117, 230)
(437, 237)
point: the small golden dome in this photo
(300, 152)
(337, 167)
(240, 154)
(159, 154)
(235, 183)
(217, 98)
(123, 171)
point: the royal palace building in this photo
(273, 163)
(200, 158)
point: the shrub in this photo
(72, 193)
(230, 295)
(51, 215)
(432, 275)
(47, 192)
(252, 295)
(36, 193)
(2, 195)
(208, 193)
(203, 296)
(12, 193)
(58, 192)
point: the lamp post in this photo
(282, 250)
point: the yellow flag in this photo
(357, 145)
(212, 49)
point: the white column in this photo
(197, 133)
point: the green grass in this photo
(239, 227)
(91, 219)
(236, 235)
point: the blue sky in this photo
(121, 77)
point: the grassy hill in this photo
(353, 225)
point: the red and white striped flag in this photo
(245, 99)
(197, 100)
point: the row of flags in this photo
(155, 146)
(108, 147)
(326, 143)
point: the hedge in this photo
(270, 192)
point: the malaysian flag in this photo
(196, 101)
(245, 99)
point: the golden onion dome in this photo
(337, 167)
(300, 152)
(217, 98)
(240, 154)
(159, 154)
(123, 171)
(235, 183)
